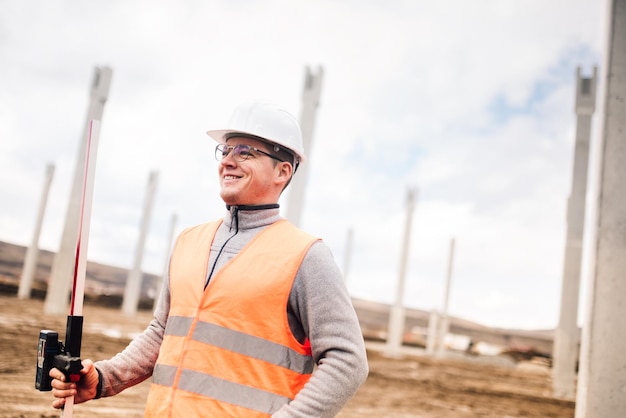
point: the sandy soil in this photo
(412, 386)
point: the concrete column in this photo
(432, 337)
(32, 253)
(310, 101)
(61, 276)
(166, 264)
(132, 290)
(395, 329)
(444, 323)
(602, 378)
(442, 333)
(567, 336)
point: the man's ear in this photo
(284, 172)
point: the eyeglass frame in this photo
(220, 156)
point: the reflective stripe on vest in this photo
(229, 348)
(243, 343)
(220, 389)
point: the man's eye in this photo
(244, 153)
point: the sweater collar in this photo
(249, 217)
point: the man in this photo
(254, 319)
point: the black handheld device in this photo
(52, 353)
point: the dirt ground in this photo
(412, 386)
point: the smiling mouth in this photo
(230, 177)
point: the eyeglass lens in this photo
(240, 152)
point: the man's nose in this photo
(229, 160)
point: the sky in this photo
(470, 104)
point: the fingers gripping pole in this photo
(73, 335)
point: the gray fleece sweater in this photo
(319, 308)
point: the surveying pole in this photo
(32, 253)
(52, 353)
(58, 291)
(395, 329)
(310, 101)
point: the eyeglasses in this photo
(241, 152)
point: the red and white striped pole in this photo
(73, 335)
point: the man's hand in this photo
(83, 390)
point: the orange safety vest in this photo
(228, 350)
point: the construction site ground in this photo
(410, 385)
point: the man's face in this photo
(248, 182)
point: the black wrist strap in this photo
(99, 386)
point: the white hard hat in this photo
(266, 121)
